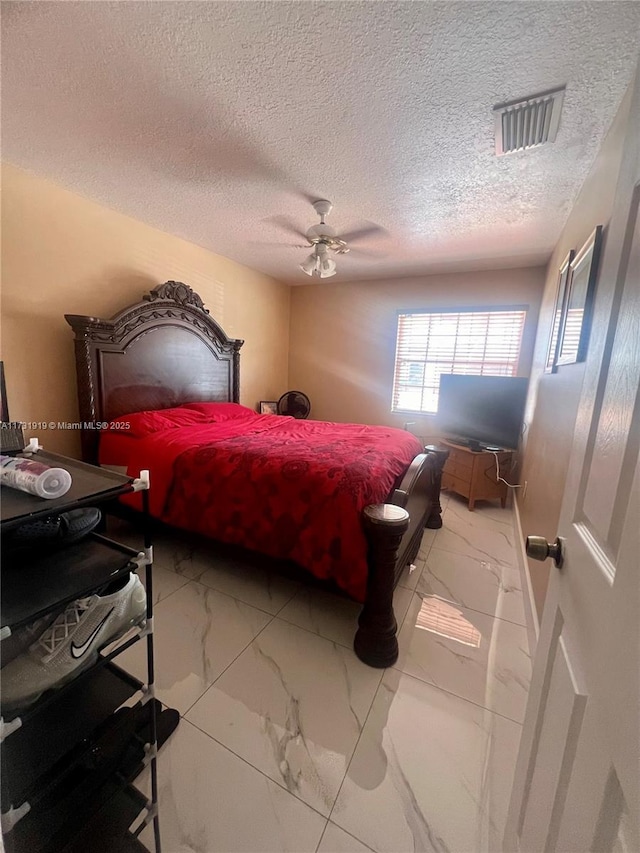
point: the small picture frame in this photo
(578, 308)
(268, 407)
(551, 365)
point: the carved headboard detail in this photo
(160, 352)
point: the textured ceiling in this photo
(208, 119)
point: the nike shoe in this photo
(72, 642)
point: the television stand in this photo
(472, 474)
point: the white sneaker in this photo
(72, 642)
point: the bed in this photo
(159, 387)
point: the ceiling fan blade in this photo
(286, 224)
(303, 194)
(365, 253)
(370, 229)
(279, 245)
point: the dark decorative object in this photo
(4, 405)
(176, 291)
(578, 310)
(434, 522)
(294, 403)
(563, 278)
(268, 407)
(11, 435)
(162, 352)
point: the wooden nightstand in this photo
(473, 475)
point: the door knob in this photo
(539, 549)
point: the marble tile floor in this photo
(289, 743)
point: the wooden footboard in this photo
(394, 533)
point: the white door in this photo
(577, 780)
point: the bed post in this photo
(375, 642)
(434, 521)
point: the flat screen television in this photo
(483, 409)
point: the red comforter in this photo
(289, 488)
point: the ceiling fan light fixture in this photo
(319, 264)
(308, 266)
(327, 267)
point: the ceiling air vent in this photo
(529, 122)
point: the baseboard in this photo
(530, 612)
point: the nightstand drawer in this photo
(460, 460)
(459, 469)
(456, 484)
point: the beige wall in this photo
(553, 398)
(342, 336)
(64, 254)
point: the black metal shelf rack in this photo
(69, 760)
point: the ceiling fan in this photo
(324, 239)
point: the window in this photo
(481, 343)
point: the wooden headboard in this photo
(161, 352)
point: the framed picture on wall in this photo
(578, 309)
(551, 365)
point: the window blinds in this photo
(480, 343)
